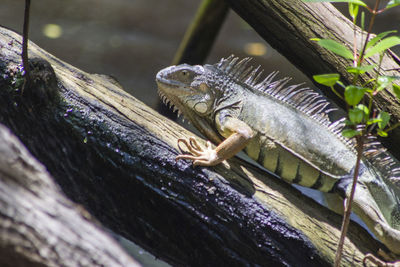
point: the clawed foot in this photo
(200, 156)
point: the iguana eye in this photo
(185, 73)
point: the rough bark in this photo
(39, 226)
(116, 156)
(289, 25)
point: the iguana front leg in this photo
(238, 135)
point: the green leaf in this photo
(327, 79)
(396, 89)
(364, 109)
(392, 3)
(349, 133)
(353, 94)
(348, 123)
(382, 133)
(382, 45)
(385, 81)
(385, 117)
(381, 87)
(353, 11)
(336, 48)
(361, 69)
(378, 37)
(358, 2)
(372, 121)
(356, 115)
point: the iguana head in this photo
(191, 90)
(201, 92)
(186, 88)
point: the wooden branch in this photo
(116, 156)
(198, 39)
(289, 25)
(39, 226)
(202, 32)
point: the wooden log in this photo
(289, 25)
(116, 156)
(39, 226)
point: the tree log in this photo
(39, 226)
(289, 25)
(116, 156)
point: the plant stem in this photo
(336, 92)
(25, 46)
(371, 23)
(393, 127)
(354, 44)
(349, 200)
(360, 148)
(375, 83)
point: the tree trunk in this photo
(39, 225)
(289, 25)
(116, 156)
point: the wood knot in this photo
(43, 88)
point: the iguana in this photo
(287, 130)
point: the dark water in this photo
(133, 39)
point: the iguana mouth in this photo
(168, 102)
(165, 85)
(162, 80)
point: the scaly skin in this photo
(285, 129)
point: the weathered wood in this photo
(39, 226)
(289, 25)
(116, 156)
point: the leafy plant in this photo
(363, 120)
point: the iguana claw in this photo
(200, 156)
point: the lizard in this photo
(288, 130)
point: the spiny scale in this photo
(303, 99)
(311, 103)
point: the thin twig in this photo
(349, 200)
(336, 92)
(354, 44)
(393, 127)
(371, 23)
(25, 61)
(360, 148)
